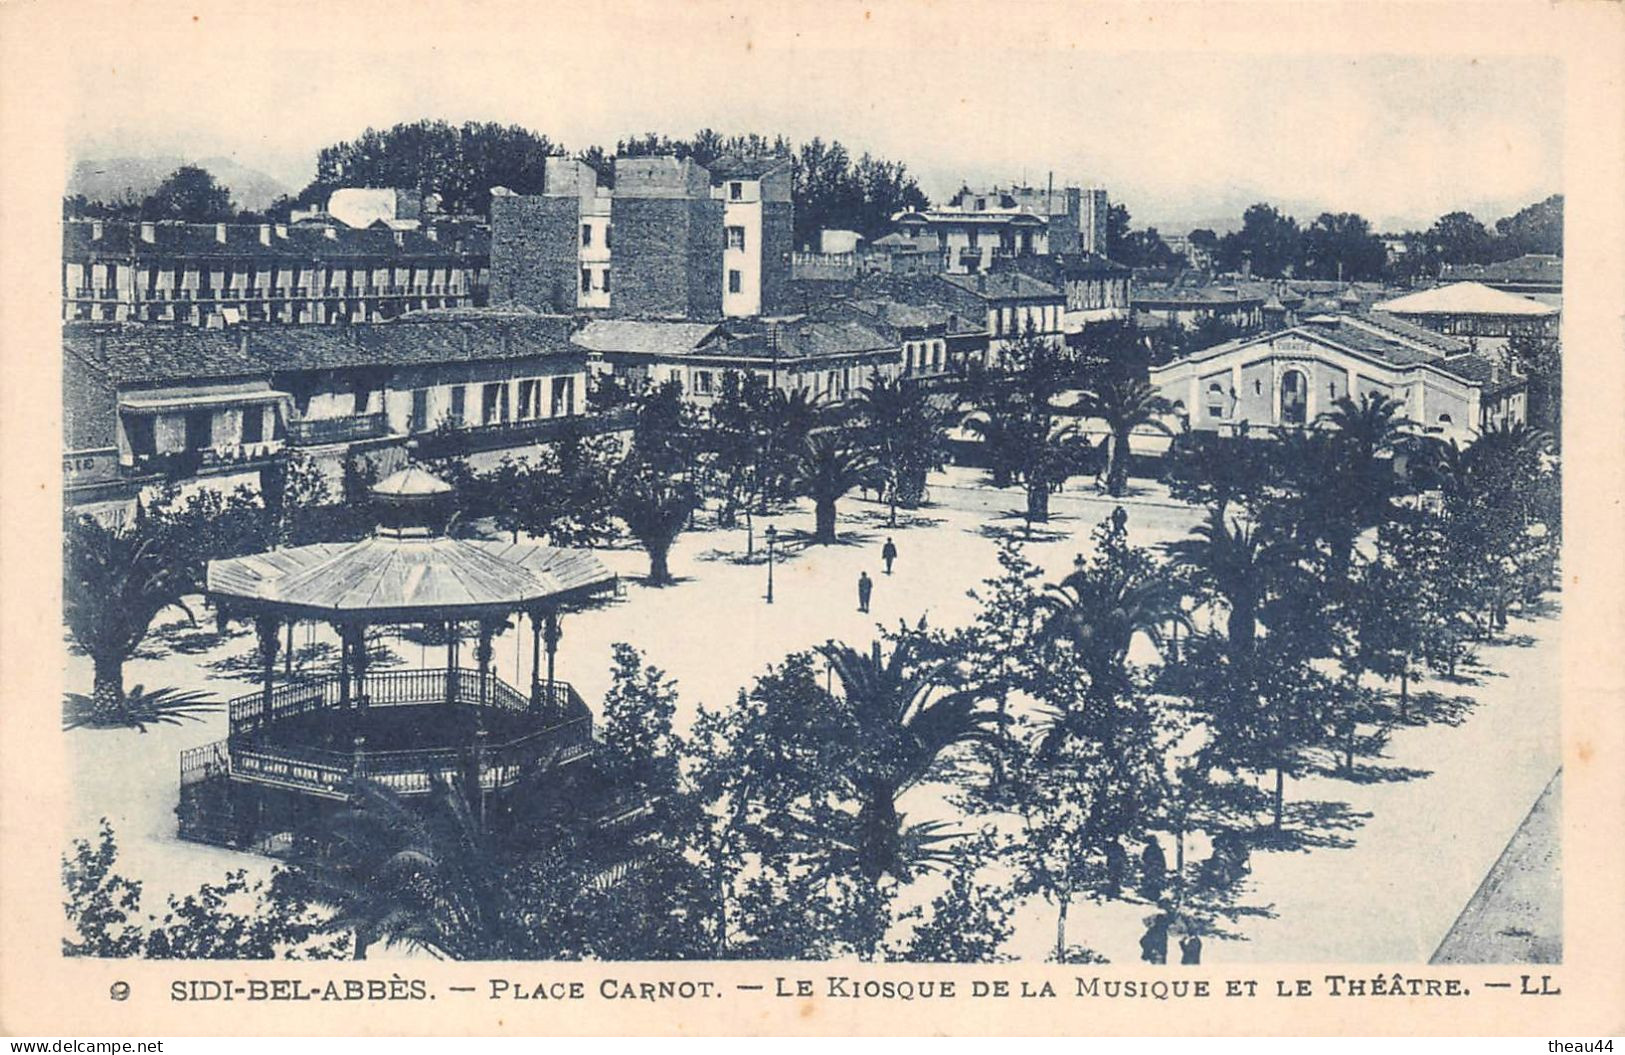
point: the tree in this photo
(655, 506)
(1268, 242)
(1342, 246)
(830, 466)
(1124, 405)
(1019, 418)
(103, 911)
(1232, 562)
(1458, 238)
(190, 194)
(115, 582)
(904, 433)
(969, 922)
(459, 163)
(899, 726)
(1536, 228)
(1540, 360)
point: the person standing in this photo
(866, 587)
(888, 553)
(1190, 949)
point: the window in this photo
(494, 403)
(420, 411)
(609, 242)
(529, 399)
(199, 429)
(736, 191)
(1294, 398)
(1215, 400)
(142, 437)
(564, 396)
(736, 237)
(254, 424)
(1444, 419)
(1258, 386)
(702, 379)
(942, 239)
(459, 404)
(586, 280)
(735, 280)
(586, 235)
(604, 277)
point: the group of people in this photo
(866, 585)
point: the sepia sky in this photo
(1181, 135)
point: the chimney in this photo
(96, 230)
(282, 230)
(432, 233)
(981, 282)
(400, 238)
(220, 233)
(330, 233)
(265, 234)
(149, 232)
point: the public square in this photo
(1410, 858)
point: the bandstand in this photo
(296, 750)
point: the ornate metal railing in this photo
(309, 431)
(563, 733)
(251, 713)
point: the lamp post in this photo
(772, 537)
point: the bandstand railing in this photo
(397, 688)
(563, 734)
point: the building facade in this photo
(144, 403)
(975, 228)
(1290, 378)
(222, 274)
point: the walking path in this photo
(1516, 915)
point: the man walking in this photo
(888, 553)
(866, 586)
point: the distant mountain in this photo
(112, 178)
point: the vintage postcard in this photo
(893, 517)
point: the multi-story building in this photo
(758, 216)
(977, 227)
(831, 359)
(1289, 378)
(681, 240)
(1097, 290)
(147, 402)
(220, 274)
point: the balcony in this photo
(312, 432)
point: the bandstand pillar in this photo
(551, 634)
(268, 631)
(482, 653)
(451, 662)
(535, 661)
(344, 664)
(358, 663)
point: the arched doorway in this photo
(1294, 398)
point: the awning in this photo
(158, 402)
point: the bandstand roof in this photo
(388, 579)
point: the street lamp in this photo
(772, 537)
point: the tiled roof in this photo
(1465, 298)
(648, 337)
(121, 240)
(738, 167)
(1003, 285)
(134, 354)
(1203, 296)
(1532, 268)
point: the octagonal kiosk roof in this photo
(408, 570)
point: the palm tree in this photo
(115, 582)
(904, 432)
(830, 466)
(655, 507)
(1124, 404)
(1234, 562)
(1098, 611)
(901, 726)
(1358, 488)
(786, 420)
